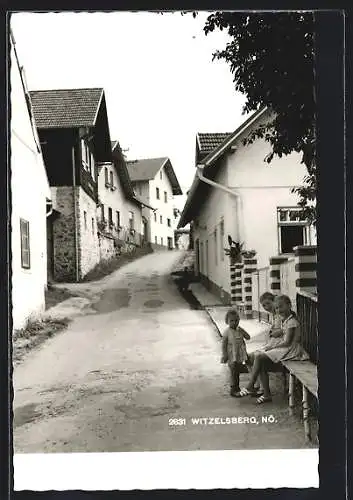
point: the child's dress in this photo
(293, 352)
(236, 348)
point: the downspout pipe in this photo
(75, 213)
(216, 185)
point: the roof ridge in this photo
(72, 88)
(149, 159)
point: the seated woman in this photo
(282, 348)
(267, 301)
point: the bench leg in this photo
(306, 414)
(285, 382)
(291, 393)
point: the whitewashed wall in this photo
(216, 207)
(251, 216)
(29, 190)
(262, 187)
(160, 231)
(116, 200)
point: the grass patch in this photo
(106, 267)
(34, 334)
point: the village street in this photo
(135, 357)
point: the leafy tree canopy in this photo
(271, 58)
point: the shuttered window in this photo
(25, 246)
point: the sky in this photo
(160, 82)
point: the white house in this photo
(120, 209)
(155, 182)
(30, 201)
(251, 201)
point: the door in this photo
(197, 257)
(50, 250)
(170, 243)
(145, 231)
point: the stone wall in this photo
(88, 243)
(107, 249)
(64, 234)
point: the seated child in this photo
(234, 349)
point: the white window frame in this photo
(25, 244)
(87, 157)
(287, 221)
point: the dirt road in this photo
(135, 359)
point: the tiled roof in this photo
(209, 141)
(147, 169)
(66, 108)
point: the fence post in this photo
(250, 266)
(275, 273)
(233, 295)
(305, 268)
(238, 291)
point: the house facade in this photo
(74, 135)
(155, 182)
(120, 222)
(257, 208)
(30, 201)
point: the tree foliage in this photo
(271, 58)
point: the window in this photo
(293, 229)
(215, 247)
(131, 220)
(111, 179)
(168, 222)
(161, 174)
(92, 225)
(110, 217)
(102, 212)
(221, 240)
(206, 258)
(161, 240)
(117, 218)
(85, 218)
(106, 176)
(155, 239)
(161, 219)
(155, 217)
(157, 193)
(201, 257)
(87, 157)
(165, 197)
(25, 248)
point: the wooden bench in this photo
(306, 373)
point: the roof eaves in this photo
(188, 203)
(142, 202)
(173, 178)
(223, 147)
(98, 106)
